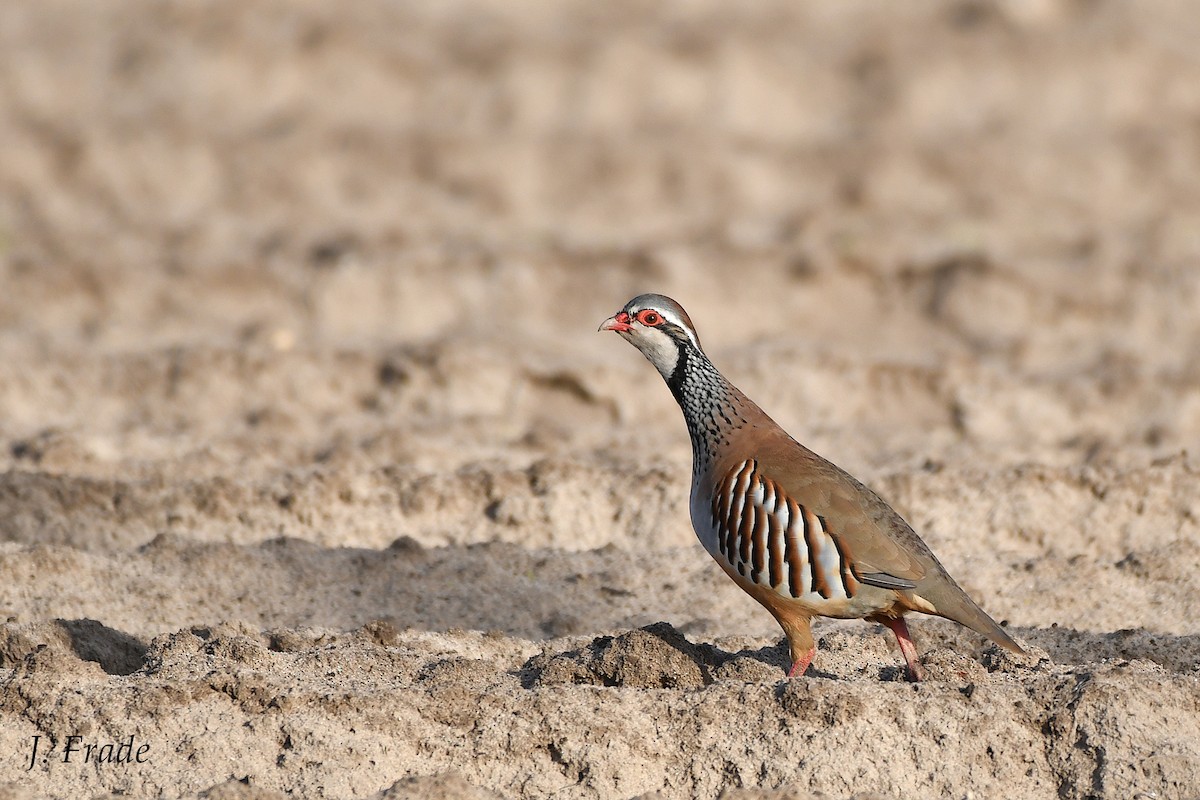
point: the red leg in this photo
(801, 664)
(900, 628)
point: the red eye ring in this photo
(650, 317)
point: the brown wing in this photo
(882, 548)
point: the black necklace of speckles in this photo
(706, 399)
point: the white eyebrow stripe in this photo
(671, 317)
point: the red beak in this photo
(618, 323)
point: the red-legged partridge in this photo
(797, 533)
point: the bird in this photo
(794, 531)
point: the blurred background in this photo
(298, 310)
(280, 237)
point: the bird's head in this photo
(659, 327)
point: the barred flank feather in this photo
(768, 538)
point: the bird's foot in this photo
(801, 664)
(900, 628)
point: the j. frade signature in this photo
(75, 750)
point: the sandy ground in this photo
(317, 481)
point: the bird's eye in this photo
(650, 317)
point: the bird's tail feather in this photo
(956, 605)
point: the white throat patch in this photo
(659, 347)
